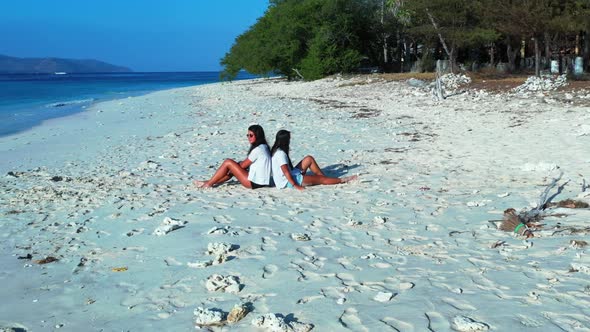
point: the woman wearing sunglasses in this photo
(253, 172)
(287, 176)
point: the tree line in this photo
(312, 39)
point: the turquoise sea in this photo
(26, 100)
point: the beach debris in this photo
(379, 220)
(220, 248)
(168, 225)
(453, 233)
(477, 204)
(147, 165)
(454, 81)
(466, 324)
(200, 265)
(227, 284)
(221, 251)
(119, 269)
(578, 244)
(569, 204)
(383, 297)
(571, 230)
(237, 313)
(371, 255)
(524, 222)
(546, 83)
(169, 155)
(13, 327)
(511, 222)
(448, 82)
(15, 174)
(205, 317)
(218, 230)
(46, 260)
(57, 178)
(278, 323)
(406, 285)
(125, 174)
(577, 267)
(300, 237)
(353, 223)
(497, 244)
(209, 317)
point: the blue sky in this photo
(145, 35)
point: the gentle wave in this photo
(72, 102)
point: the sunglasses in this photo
(249, 135)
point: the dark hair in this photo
(282, 141)
(259, 135)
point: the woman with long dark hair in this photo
(253, 172)
(287, 176)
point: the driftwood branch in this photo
(298, 73)
(535, 213)
(544, 199)
(437, 90)
(523, 222)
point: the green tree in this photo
(314, 38)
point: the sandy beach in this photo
(103, 230)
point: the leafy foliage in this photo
(316, 38)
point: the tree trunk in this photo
(511, 54)
(442, 41)
(422, 60)
(401, 53)
(385, 54)
(537, 58)
(586, 55)
(547, 50)
(385, 46)
(452, 60)
(492, 51)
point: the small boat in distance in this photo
(60, 73)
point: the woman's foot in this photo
(349, 178)
(201, 184)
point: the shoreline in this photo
(409, 246)
(98, 88)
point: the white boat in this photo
(60, 73)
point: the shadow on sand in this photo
(339, 170)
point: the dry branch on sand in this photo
(525, 222)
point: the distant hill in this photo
(52, 65)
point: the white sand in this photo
(407, 248)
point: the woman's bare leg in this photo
(226, 170)
(311, 180)
(309, 163)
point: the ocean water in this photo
(26, 100)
